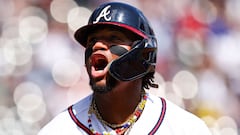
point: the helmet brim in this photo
(82, 33)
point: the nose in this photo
(100, 45)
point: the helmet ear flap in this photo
(139, 61)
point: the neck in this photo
(118, 105)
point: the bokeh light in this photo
(5, 67)
(29, 101)
(173, 95)
(78, 17)
(9, 124)
(33, 29)
(10, 28)
(185, 84)
(60, 8)
(17, 52)
(204, 12)
(26, 88)
(66, 72)
(31, 108)
(34, 11)
(190, 51)
(226, 122)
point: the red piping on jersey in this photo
(79, 124)
(160, 120)
(87, 130)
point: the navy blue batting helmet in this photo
(141, 59)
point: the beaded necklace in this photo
(118, 128)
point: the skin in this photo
(118, 103)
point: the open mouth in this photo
(99, 62)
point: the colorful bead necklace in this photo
(118, 128)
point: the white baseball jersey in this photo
(159, 117)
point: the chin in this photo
(103, 86)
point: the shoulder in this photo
(184, 122)
(178, 120)
(58, 124)
(63, 123)
(172, 109)
(175, 112)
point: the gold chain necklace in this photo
(119, 128)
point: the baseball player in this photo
(120, 60)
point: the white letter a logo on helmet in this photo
(104, 13)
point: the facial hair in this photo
(110, 84)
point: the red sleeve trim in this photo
(160, 120)
(79, 124)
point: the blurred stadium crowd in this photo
(42, 67)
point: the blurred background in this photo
(42, 67)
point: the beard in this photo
(110, 84)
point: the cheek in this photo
(88, 65)
(88, 53)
